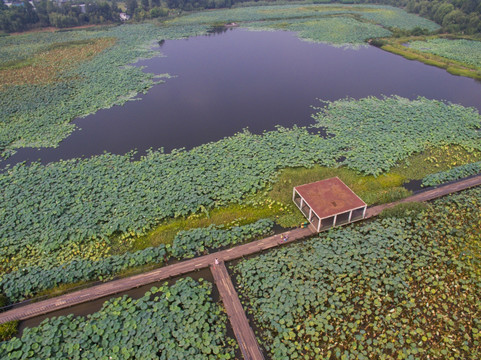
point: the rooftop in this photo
(329, 197)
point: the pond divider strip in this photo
(237, 317)
(118, 286)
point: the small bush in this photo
(3, 300)
(378, 42)
(8, 330)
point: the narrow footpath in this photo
(428, 195)
(184, 267)
(132, 282)
(237, 317)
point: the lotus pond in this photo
(169, 322)
(83, 219)
(392, 288)
(225, 90)
(71, 89)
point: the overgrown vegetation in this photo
(33, 280)
(390, 288)
(402, 210)
(80, 209)
(457, 55)
(464, 51)
(170, 322)
(456, 173)
(37, 111)
(434, 160)
(373, 135)
(51, 206)
(48, 66)
(38, 114)
(8, 330)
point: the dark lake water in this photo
(227, 82)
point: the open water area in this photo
(239, 79)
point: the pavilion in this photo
(328, 203)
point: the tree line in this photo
(455, 16)
(24, 16)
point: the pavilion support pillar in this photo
(335, 221)
(350, 216)
(364, 212)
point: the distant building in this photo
(82, 8)
(124, 17)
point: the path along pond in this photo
(240, 79)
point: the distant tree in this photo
(131, 6)
(155, 3)
(454, 21)
(158, 12)
(441, 11)
(145, 4)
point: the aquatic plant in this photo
(385, 16)
(455, 173)
(53, 214)
(29, 281)
(393, 288)
(39, 113)
(337, 31)
(464, 51)
(372, 134)
(80, 87)
(170, 322)
(189, 243)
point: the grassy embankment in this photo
(396, 46)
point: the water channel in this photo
(229, 81)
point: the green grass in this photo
(232, 215)
(8, 330)
(434, 160)
(276, 202)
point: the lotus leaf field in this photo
(47, 90)
(170, 322)
(396, 288)
(189, 243)
(282, 15)
(465, 51)
(53, 214)
(455, 173)
(29, 281)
